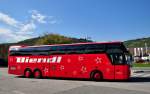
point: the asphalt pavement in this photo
(11, 84)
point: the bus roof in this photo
(66, 44)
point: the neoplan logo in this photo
(38, 60)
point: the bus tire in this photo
(37, 74)
(96, 76)
(28, 73)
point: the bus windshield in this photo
(120, 58)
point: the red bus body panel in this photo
(72, 66)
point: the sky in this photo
(99, 20)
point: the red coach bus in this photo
(96, 61)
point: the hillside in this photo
(59, 39)
(52, 39)
(137, 42)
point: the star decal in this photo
(74, 72)
(80, 58)
(46, 70)
(62, 67)
(98, 60)
(83, 69)
(68, 60)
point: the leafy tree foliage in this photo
(137, 42)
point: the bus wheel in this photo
(96, 76)
(28, 73)
(37, 74)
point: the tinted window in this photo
(15, 53)
(26, 49)
(116, 46)
(54, 48)
(63, 48)
(100, 47)
(70, 49)
(12, 53)
(118, 58)
(44, 48)
(112, 46)
(30, 51)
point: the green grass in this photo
(141, 64)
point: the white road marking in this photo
(146, 75)
(140, 75)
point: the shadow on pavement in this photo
(3, 63)
(131, 80)
(139, 79)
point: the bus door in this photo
(119, 72)
(118, 60)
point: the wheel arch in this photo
(96, 71)
(27, 69)
(37, 69)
